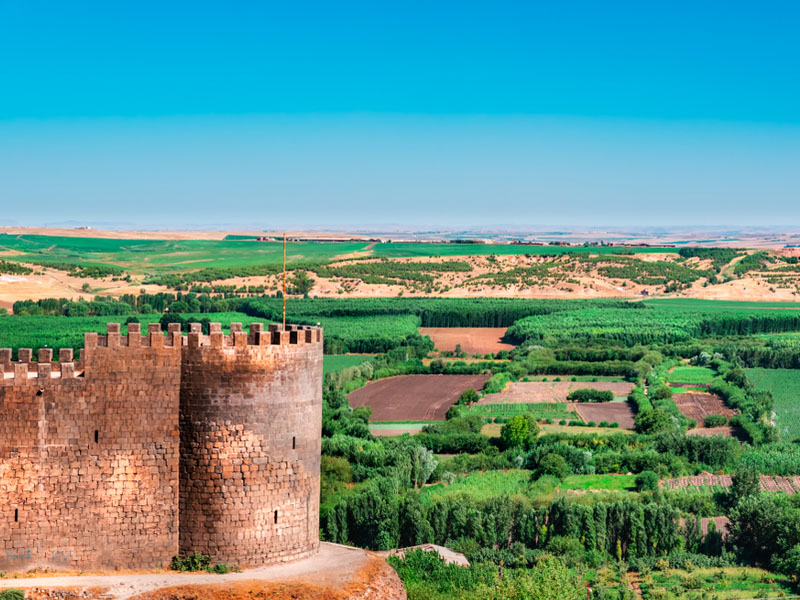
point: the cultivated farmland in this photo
(473, 340)
(612, 412)
(526, 392)
(414, 397)
(698, 405)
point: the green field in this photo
(691, 375)
(715, 305)
(167, 256)
(337, 362)
(481, 485)
(173, 256)
(486, 484)
(731, 583)
(785, 387)
(614, 483)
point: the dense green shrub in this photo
(647, 481)
(590, 395)
(715, 420)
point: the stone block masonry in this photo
(150, 445)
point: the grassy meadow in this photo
(785, 387)
(691, 375)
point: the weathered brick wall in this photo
(251, 413)
(89, 454)
(89, 451)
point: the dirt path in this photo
(633, 583)
(728, 269)
(335, 567)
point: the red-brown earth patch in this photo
(526, 392)
(698, 405)
(473, 340)
(619, 412)
(414, 397)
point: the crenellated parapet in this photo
(274, 335)
(26, 370)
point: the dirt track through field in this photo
(414, 397)
(526, 392)
(473, 340)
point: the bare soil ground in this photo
(414, 397)
(335, 573)
(712, 431)
(394, 432)
(524, 392)
(698, 405)
(619, 412)
(473, 340)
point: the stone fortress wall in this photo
(151, 445)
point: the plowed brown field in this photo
(414, 397)
(526, 392)
(473, 340)
(620, 412)
(698, 405)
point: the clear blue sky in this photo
(422, 113)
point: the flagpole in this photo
(284, 281)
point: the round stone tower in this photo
(250, 430)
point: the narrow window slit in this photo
(96, 436)
(16, 515)
(294, 443)
(276, 517)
